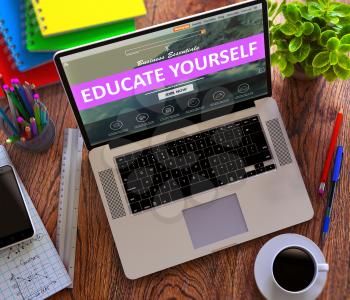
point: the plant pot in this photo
(299, 74)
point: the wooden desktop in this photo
(308, 109)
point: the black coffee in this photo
(293, 269)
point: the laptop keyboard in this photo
(194, 164)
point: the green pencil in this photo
(18, 105)
(37, 116)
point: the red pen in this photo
(330, 153)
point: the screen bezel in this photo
(133, 137)
(24, 234)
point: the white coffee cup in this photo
(272, 286)
(317, 269)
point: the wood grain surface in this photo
(308, 109)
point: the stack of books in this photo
(32, 30)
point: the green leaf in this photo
(326, 35)
(274, 59)
(345, 30)
(291, 58)
(305, 14)
(330, 75)
(288, 28)
(333, 43)
(308, 28)
(309, 71)
(345, 39)
(272, 8)
(303, 52)
(333, 58)
(344, 61)
(292, 13)
(340, 9)
(341, 73)
(316, 32)
(281, 45)
(288, 71)
(314, 9)
(344, 48)
(295, 44)
(321, 59)
(282, 62)
(319, 71)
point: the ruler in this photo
(69, 198)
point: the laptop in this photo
(187, 147)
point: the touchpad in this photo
(215, 221)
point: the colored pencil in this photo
(27, 133)
(8, 122)
(12, 139)
(13, 111)
(17, 104)
(22, 95)
(33, 127)
(37, 116)
(330, 153)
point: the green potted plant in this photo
(313, 36)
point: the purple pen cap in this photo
(5, 87)
(36, 96)
(15, 81)
(12, 89)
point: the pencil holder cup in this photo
(40, 143)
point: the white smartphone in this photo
(15, 223)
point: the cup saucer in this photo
(264, 260)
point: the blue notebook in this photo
(12, 20)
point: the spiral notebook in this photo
(37, 42)
(40, 76)
(33, 269)
(12, 17)
(57, 17)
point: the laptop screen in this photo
(167, 74)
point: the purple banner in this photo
(171, 71)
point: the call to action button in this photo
(174, 92)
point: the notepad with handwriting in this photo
(37, 42)
(33, 269)
(57, 17)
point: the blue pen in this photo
(335, 178)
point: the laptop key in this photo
(156, 201)
(135, 207)
(270, 167)
(145, 204)
(241, 174)
(165, 198)
(164, 187)
(232, 177)
(133, 186)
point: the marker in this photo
(330, 153)
(335, 178)
(13, 111)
